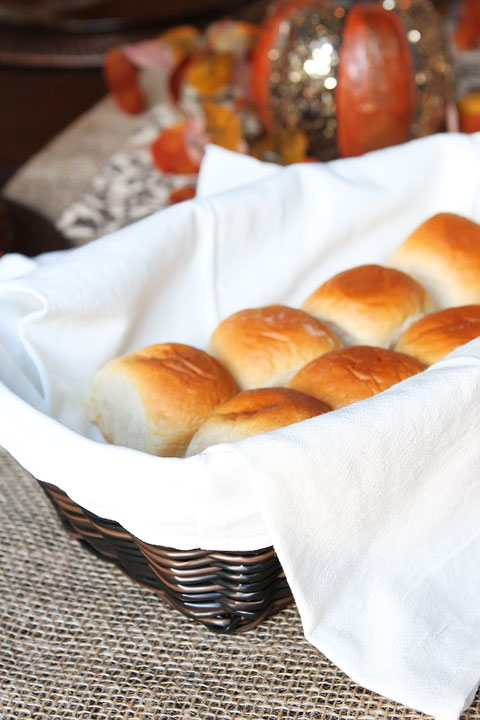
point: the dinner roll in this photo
(156, 398)
(266, 346)
(354, 373)
(252, 412)
(369, 304)
(444, 255)
(436, 335)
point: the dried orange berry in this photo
(118, 71)
(467, 32)
(469, 112)
(223, 126)
(292, 145)
(171, 152)
(122, 81)
(232, 36)
(281, 146)
(130, 99)
(183, 41)
(187, 192)
(176, 79)
(210, 73)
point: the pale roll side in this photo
(155, 399)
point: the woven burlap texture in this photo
(80, 640)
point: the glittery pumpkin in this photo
(355, 76)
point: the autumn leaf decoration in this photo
(213, 68)
(179, 149)
(122, 80)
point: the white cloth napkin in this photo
(374, 510)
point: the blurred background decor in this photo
(355, 76)
(77, 33)
(285, 81)
(339, 78)
(467, 32)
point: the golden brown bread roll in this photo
(354, 373)
(369, 304)
(266, 346)
(252, 412)
(155, 399)
(444, 255)
(436, 335)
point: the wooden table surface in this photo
(36, 104)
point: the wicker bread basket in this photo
(225, 591)
(203, 250)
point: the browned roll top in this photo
(443, 254)
(438, 334)
(252, 412)
(345, 376)
(369, 304)
(266, 346)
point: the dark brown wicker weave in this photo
(226, 591)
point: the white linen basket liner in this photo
(172, 277)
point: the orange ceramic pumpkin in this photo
(355, 75)
(467, 32)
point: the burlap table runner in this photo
(79, 640)
(55, 177)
